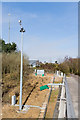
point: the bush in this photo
(64, 68)
(7, 47)
(11, 63)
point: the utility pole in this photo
(21, 71)
(9, 29)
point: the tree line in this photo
(68, 66)
(10, 62)
(7, 48)
(11, 59)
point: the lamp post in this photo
(21, 71)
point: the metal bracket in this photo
(27, 107)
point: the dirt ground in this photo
(36, 97)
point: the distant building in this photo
(34, 63)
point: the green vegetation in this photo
(69, 66)
(52, 103)
(11, 60)
(7, 47)
(11, 63)
(11, 67)
(48, 67)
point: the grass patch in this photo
(52, 103)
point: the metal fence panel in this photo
(70, 109)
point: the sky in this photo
(40, 0)
(51, 28)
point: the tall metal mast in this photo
(9, 29)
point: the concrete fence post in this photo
(13, 100)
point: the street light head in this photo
(23, 30)
(19, 22)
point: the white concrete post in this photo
(61, 74)
(57, 73)
(13, 100)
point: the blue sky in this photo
(51, 28)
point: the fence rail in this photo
(70, 109)
(66, 105)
